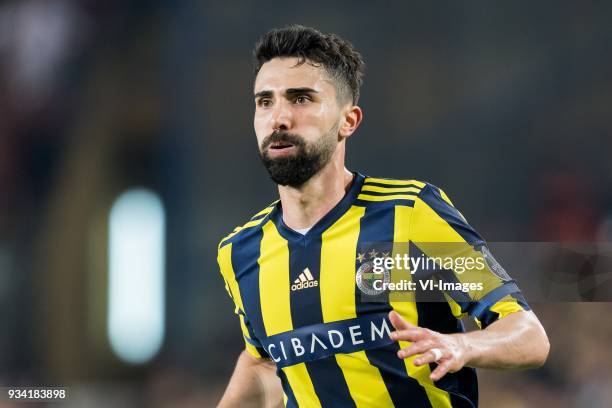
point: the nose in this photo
(282, 118)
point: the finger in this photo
(412, 335)
(398, 322)
(430, 357)
(419, 347)
(441, 370)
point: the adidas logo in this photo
(305, 280)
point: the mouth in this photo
(280, 148)
(280, 145)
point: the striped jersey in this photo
(314, 303)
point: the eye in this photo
(264, 102)
(301, 99)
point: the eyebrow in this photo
(289, 91)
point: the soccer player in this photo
(300, 270)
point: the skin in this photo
(253, 384)
(518, 341)
(302, 99)
(310, 113)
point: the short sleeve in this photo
(464, 268)
(252, 345)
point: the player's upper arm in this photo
(440, 232)
(252, 345)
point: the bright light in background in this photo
(136, 275)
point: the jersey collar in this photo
(324, 223)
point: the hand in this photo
(449, 351)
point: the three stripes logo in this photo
(305, 280)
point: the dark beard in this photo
(297, 169)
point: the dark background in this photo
(505, 106)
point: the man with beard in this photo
(298, 270)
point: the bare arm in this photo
(253, 384)
(516, 341)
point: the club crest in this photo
(366, 278)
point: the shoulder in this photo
(412, 187)
(392, 189)
(252, 225)
(394, 182)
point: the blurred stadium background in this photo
(506, 106)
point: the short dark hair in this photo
(337, 56)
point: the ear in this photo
(351, 119)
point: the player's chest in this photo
(297, 283)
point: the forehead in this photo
(282, 73)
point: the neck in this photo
(304, 206)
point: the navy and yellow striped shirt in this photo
(299, 303)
